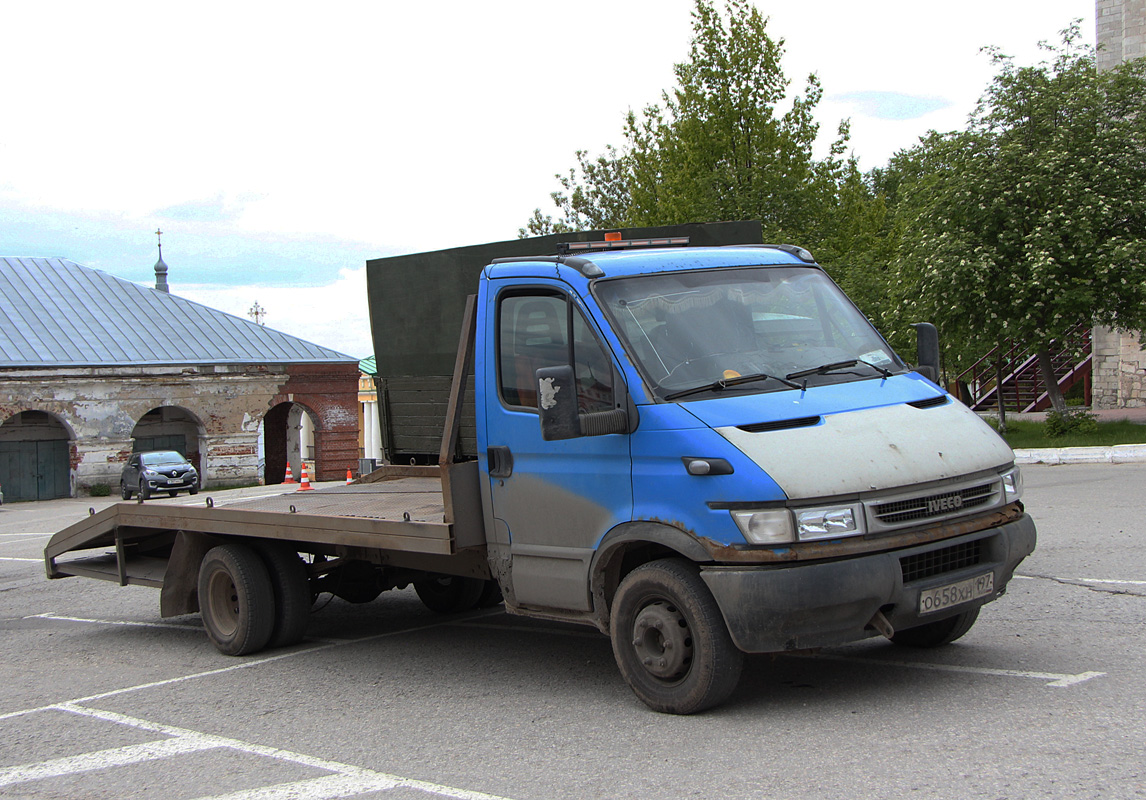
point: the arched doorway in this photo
(288, 437)
(34, 457)
(170, 428)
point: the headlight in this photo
(769, 526)
(829, 523)
(1012, 485)
(150, 473)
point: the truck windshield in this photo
(691, 330)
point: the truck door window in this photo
(535, 331)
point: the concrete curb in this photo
(1116, 454)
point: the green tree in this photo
(1033, 220)
(717, 147)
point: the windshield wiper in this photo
(724, 383)
(823, 369)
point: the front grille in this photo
(937, 562)
(935, 505)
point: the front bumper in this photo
(795, 607)
(163, 484)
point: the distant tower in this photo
(160, 267)
(1118, 371)
(1121, 31)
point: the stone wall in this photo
(1119, 366)
(101, 407)
(1118, 378)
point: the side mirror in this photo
(557, 403)
(557, 408)
(927, 350)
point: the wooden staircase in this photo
(1022, 387)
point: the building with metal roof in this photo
(94, 367)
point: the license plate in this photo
(953, 594)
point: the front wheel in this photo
(144, 491)
(939, 633)
(124, 492)
(670, 640)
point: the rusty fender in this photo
(859, 545)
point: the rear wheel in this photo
(670, 640)
(236, 599)
(450, 594)
(490, 595)
(291, 587)
(939, 633)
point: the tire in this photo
(236, 600)
(490, 595)
(291, 587)
(670, 640)
(939, 633)
(144, 491)
(193, 490)
(124, 492)
(450, 594)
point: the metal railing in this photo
(1021, 383)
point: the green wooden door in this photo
(34, 470)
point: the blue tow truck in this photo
(702, 451)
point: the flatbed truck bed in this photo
(399, 519)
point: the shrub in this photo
(1079, 422)
(99, 490)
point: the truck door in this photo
(556, 499)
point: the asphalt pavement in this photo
(100, 697)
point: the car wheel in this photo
(124, 492)
(144, 490)
(670, 640)
(193, 490)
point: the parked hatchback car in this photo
(157, 471)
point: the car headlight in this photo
(829, 523)
(766, 526)
(1012, 485)
(150, 473)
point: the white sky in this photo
(279, 145)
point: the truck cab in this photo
(722, 430)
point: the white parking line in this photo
(1101, 581)
(1056, 679)
(252, 662)
(13, 558)
(102, 759)
(132, 623)
(345, 781)
(17, 538)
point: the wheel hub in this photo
(662, 640)
(224, 599)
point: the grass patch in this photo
(1027, 435)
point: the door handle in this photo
(500, 462)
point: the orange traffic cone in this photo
(349, 477)
(289, 477)
(304, 484)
